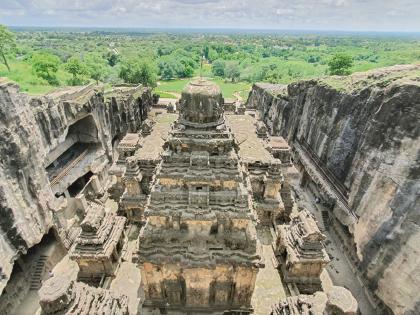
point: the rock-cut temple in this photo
(198, 251)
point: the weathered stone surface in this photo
(364, 128)
(198, 252)
(140, 168)
(32, 130)
(301, 252)
(337, 301)
(98, 247)
(61, 295)
(264, 171)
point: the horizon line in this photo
(216, 28)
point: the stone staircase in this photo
(35, 282)
(326, 220)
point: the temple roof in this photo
(101, 232)
(203, 87)
(251, 148)
(129, 142)
(303, 239)
(201, 105)
(278, 143)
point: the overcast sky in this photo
(351, 15)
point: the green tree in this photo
(340, 64)
(45, 66)
(206, 51)
(7, 42)
(139, 71)
(96, 67)
(77, 69)
(218, 68)
(112, 58)
(170, 67)
(212, 55)
(188, 71)
(232, 70)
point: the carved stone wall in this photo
(364, 130)
(31, 130)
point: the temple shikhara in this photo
(199, 250)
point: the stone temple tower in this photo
(198, 252)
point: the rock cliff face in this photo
(31, 128)
(365, 129)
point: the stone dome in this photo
(201, 103)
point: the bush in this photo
(340, 64)
(139, 71)
(77, 69)
(218, 68)
(46, 66)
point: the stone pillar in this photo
(96, 184)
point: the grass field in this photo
(22, 73)
(29, 82)
(164, 94)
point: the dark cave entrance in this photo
(82, 137)
(75, 188)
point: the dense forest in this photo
(41, 60)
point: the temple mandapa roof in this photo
(100, 234)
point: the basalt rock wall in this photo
(365, 130)
(33, 127)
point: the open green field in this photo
(21, 73)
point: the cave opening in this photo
(75, 188)
(82, 136)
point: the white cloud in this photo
(281, 14)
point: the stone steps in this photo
(325, 220)
(35, 281)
